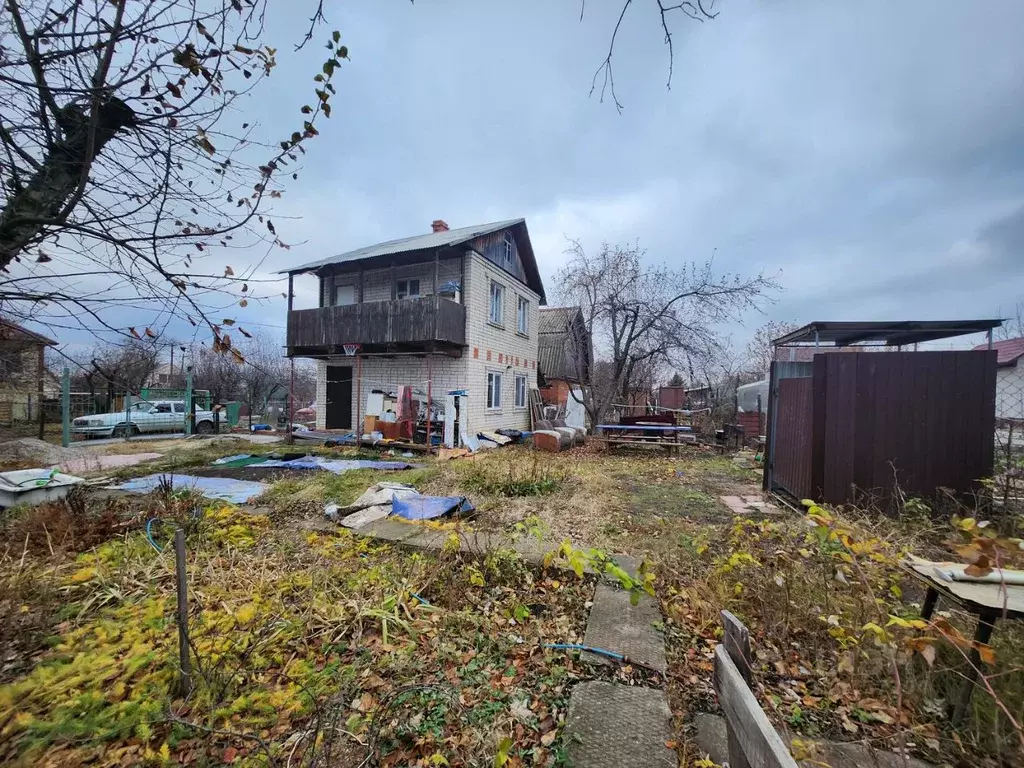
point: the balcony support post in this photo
(430, 391)
(437, 260)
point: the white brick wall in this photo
(488, 348)
(510, 353)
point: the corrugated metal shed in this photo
(560, 332)
(555, 319)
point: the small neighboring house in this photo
(23, 375)
(457, 307)
(563, 354)
(1009, 378)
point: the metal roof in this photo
(433, 240)
(555, 319)
(11, 331)
(1009, 351)
(425, 242)
(892, 334)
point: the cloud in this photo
(869, 151)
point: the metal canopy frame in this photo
(882, 333)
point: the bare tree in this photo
(760, 351)
(126, 177)
(1013, 325)
(261, 374)
(120, 367)
(641, 316)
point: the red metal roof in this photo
(1009, 350)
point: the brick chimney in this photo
(439, 225)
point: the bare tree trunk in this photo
(62, 173)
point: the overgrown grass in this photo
(833, 618)
(515, 478)
(300, 643)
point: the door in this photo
(338, 408)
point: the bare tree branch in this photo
(696, 10)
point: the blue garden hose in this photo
(603, 652)
(149, 533)
(592, 649)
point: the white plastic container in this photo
(34, 486)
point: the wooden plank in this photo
(753, 734)
(737, 642)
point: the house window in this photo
(508, 251)
(520, 400)
(408, 289)
(523, 316)
(343, 295)
(497, 303)
(493, 391)
(11, 362)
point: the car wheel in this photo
(119, 431)
(204, 428)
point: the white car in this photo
(143, 416)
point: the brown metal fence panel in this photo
(794, 436)
(916, 420)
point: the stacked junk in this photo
(407, 418)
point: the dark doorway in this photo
(338, 408)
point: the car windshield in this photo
(142, 407)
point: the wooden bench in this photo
(753, 741)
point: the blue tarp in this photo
(425, 507)
(235, 491)
(333, 465)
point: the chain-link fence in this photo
(62, 415)
(1008, 477)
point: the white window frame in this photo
(509, 251)
(494, 385)
(519, 381)
(334, 294)
(523, 315)
(500, 306)
(403, 288)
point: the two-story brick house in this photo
(453, 309)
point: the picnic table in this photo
(669, 436)
(989, 601)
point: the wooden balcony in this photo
(425, 323)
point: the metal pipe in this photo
(291, 404)
(430, 381)
(359, 397)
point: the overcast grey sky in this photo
(873, 152)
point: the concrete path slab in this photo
(389, 529)
(610, 725)
(617, 625)
(747, 505)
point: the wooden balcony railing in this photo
(378, 323)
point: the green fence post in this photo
(190, 414)
(65, 408)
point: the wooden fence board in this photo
(749, 727)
